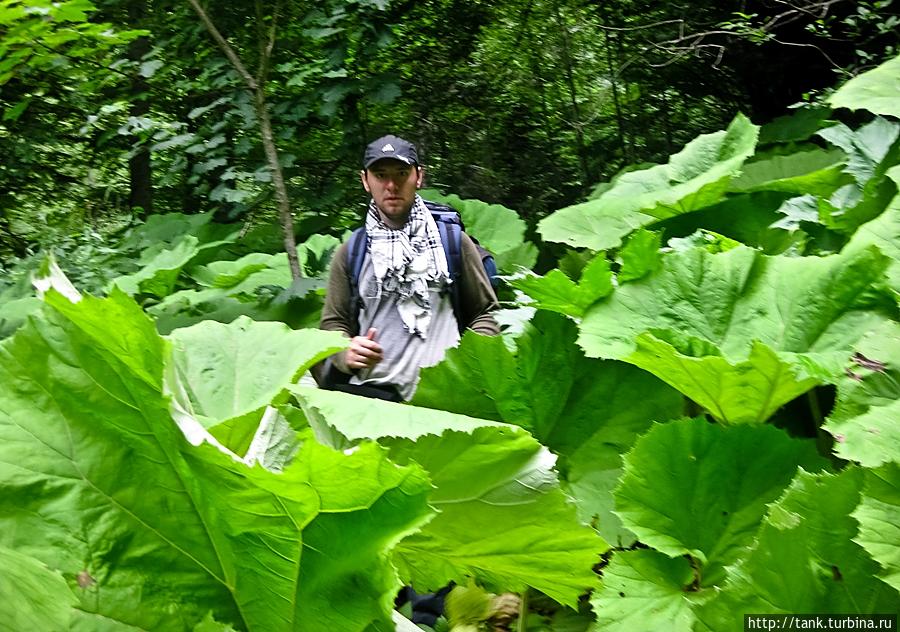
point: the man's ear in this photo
(362, 178)
(420, 174)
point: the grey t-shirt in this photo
(404, 354)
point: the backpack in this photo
(450, 227)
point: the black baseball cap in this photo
(390, 146)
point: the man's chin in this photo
(395, 209)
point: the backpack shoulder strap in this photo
(451, 241)
(451, 236)
(356, 253)
(450, 228)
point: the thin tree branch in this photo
(257, 90)
(224, 45)
(680, 46)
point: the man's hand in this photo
(364, 352)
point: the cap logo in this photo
(388, 147)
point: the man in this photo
(402, 319)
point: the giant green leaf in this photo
(733, 392)
(883, 232)
(189, 307)
(809, 171)
(226, 375)
(745, 217)
(226, 274)
(99, 483)
(871, 438)
(497, 228)
(877, 90)
(158, 274)
(587, 411)
(503, 518)
(545, 385)
(34, 597)
(13, 313)
(804, 560)
(639, 256)
(696, 177)
(645, 590)
(314, 255)
(866, 148)
(698, 489)
(871, 151)
(355, 418)
(558, 293)
(709, 313)
(879, 528)
(167, 229)
(799, 125)
(865, 421)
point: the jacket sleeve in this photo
(336, 313)
(477, 298)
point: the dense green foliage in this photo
(131, 108)
(692, 412)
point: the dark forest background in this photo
(116, 110)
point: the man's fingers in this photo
(360, 342)
(364, 352)
(367, 352)
(370, 335)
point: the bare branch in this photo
(266, 41)
(824, 54)
(642, 27)
(680, 46)
(225, 46)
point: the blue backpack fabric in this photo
(450, 227)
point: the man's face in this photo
(392, 184)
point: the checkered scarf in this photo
(405, 260)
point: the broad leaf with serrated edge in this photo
(497, 228)
(98, 481)
(803, 559)
(732, 392)
(587, 411)
(871, 151)
(645, 590)
(503, 518)
(34, 597)
(639, 256)
(230, 373)
(883, 232)
(718, 308)
(879, 528)
(877, 90)
(865, 421)
(696, 177)
(698, 489)
(158, 275)
(811, 171)
(556, 292)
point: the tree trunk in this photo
(281, 195)
(140, 176)
(573, 98)
(614, 85)
(257, 89)
(667, 122)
